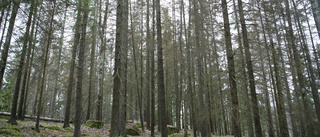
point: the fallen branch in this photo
(33, 117)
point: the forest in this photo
(201, 67)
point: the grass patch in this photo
(53, 128)
(95, 124)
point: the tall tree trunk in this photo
(161, 92)
(4, 56)
(316, 13)
(81, 60)
(148, 67)
(124, 66)
(244, 77)
(26, 81)
(4, 27)
(231, 71)
(253, 93)
(153, 71)
(49, 39)
(92, 62)
(101, 60)
(312, 41)
(121, 40)
(305, 48)
(22, 58)
(55, 89)
(72, 66)
(297, 60)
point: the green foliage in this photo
(133, 131)
(172, 129)
(94, 124)
(53, 128)
(10, 131)
(67, 128)
(85, 134)
(138, 125)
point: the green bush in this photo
(94, 124)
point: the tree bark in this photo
(4, 56)
(92, 62)
(81, 60)
(121, 39)
(22, 62)
(161, 92)
(72, 67)
(49, 39)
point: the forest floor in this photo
(54, 129)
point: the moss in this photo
(138, 125)
(67, 128)
(172, 129)
(94, 124)
(133, 131)
(10, 131)
(85, 134)
(53, 128)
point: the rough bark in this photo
(231, 71)
(161, 92)
(120, 41)
(79, 75)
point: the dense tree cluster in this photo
(238, 67)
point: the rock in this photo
(94, 124)
(133, 131)
(172, 129)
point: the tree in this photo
(231, 71)
(20, 67)
(78, 107)
(72, 66)
(161, 92)
(316, 13)
(4, 52)
(121, 40)
(49, 39)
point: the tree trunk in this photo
(92, 62)
(153, 71)
(305, 48)
(49, 39)
(124, 66)
(231, 72)
(4, 27)
(81, 60)
(253, 93)
(22, 58)
(53, 101)
(72, 67)
(316, 13)
(121, 40)
(148, 67)
(161, 92)
(297, 60)
(4, 56)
